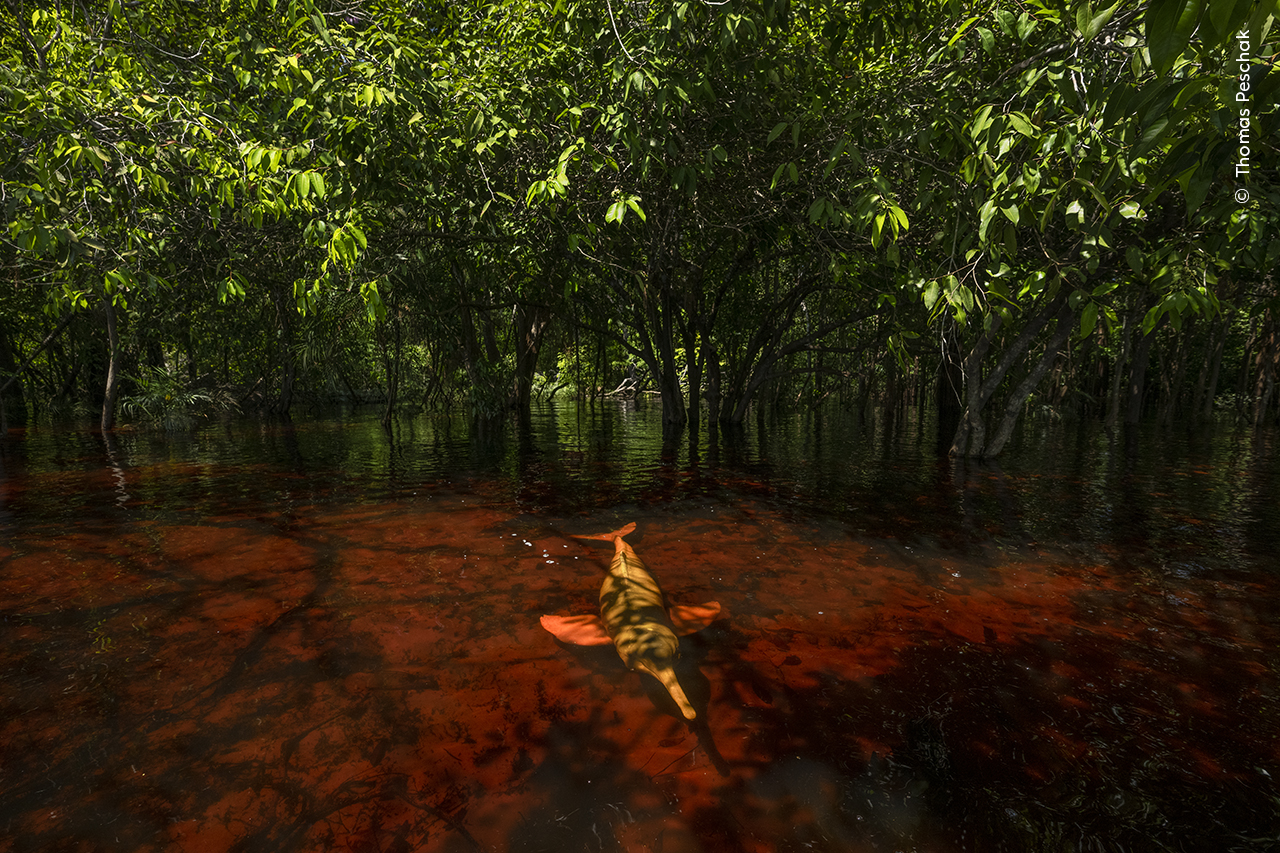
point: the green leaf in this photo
(1227, 15)
(634, 204)
(616, 211)
(1098, 196)
(1133, 256)
(1011, 239)
(1006, 21)
(776, 175)
(322, 29)
(1151, 136)
(931, 295)
(1088, 319)
(1084, 14)
(1169, 25)
(776, 132)
(961, 30)
(987, 211)
(1074, 214)
(1197, 188)
(1022, 125)
(1152, 317)
(981, 121)
(1094, 23)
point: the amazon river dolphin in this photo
(634, 616)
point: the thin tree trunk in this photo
(971, 436)
(693, 364)
(1206, 397)
(1267, 363)
(530, 325)
(108, 421)
(712, 359)
(1138, 378)
(1118, 370)
(1172, 379)
(1013, 406)
(9, 365)
(391, 366)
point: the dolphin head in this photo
(655, 650)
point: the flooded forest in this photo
(846, 425)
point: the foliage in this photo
(737, 196)
(166, 399)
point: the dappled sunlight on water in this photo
(279, 649)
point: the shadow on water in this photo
(324, 635)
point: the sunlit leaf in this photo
(1169, 25)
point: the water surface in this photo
(321, 636)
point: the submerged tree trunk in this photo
(1138, 378)
(1268, 364)
(971, 438)
(108, 421)
(284, 350)
(693, 364)
(1207, 384)
(530, 323)
(14, 371)
(391, 367)
(712, 360)
(1013, 407)
(11, 391)
(1114, 396)
(948, 388)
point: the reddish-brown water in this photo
(322, 637)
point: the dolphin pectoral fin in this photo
(691, 618)
(667, 676)
(579, 630)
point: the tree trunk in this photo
(113, 366)
(712, 360)
(1013, 407)
(1118, 370)
(14, 370)
(971, 435)
(11, 390)
(948, 388)
(661, 356)
(1171, 380)
(1267, 363)
(391, 367)
(693, 364)
(1138, 378)
(1209, 389)
(282, 301)
(530, 325)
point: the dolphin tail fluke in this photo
(610, 536)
